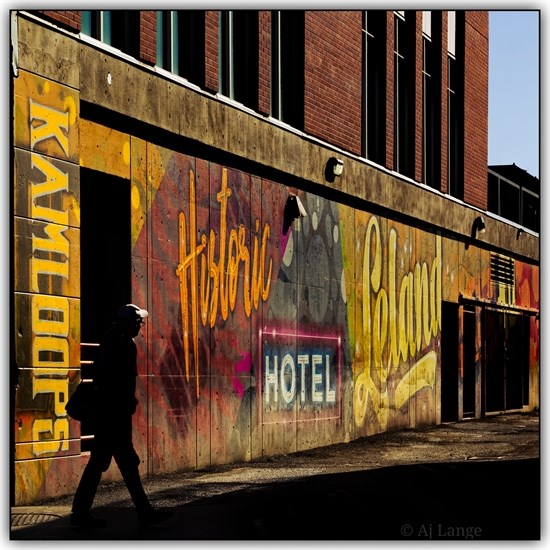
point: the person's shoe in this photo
(87, 521)
(153, 516)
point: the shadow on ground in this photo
(497, 500)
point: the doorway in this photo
(458, 362)
(449, 361)
(105, 251)
(105, 262)
(469, 362)
(507, 363)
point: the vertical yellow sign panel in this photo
(45, 117)
(46, 260)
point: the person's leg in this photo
(100, 459)
(128, 463)
(85, 493)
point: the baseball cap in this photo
(132, 312)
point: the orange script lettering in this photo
(218, 278)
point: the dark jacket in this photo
(115, 373)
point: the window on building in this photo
(404, 92)
(530, 204)
(455, 104)
(287, 65)
(492, 193)
(513, 202)
(97, 24)
(180, 43)
(118, 28)
(431, 104)
(509, 199)
(238, 54)
(374, 85)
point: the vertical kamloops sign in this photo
(46, 262)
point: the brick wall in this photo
(148, 36)
(476, 104)
(333, 82)
(65, 18)
(444, 105)
(418, 119)
(390, 85)
(211, 51)
(264, 58)
(333, 59)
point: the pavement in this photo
(471, 480)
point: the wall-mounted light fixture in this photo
(334, 168)
(519, 233)
(478, 226)
(294, 209)
(337, 166)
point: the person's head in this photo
(130, 318)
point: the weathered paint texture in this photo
(46, 280)
(266, 335)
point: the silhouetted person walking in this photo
(114, 375)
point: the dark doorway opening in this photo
(469, 363)
(105, 242)
(105, 260)
(449, 362)
(507, 364)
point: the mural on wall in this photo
(303, 331)
(330, 325)
(46, 273)
(300, 375)
(397, 272)
(217, 279)
(293, 286)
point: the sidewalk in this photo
(478, 480)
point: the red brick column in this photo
(148, 36)
(211, 51)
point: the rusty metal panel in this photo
(46, 117)
(104, 149)
(46, 189)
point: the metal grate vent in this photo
(502, 270)
(18, 520)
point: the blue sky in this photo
(514, 106)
